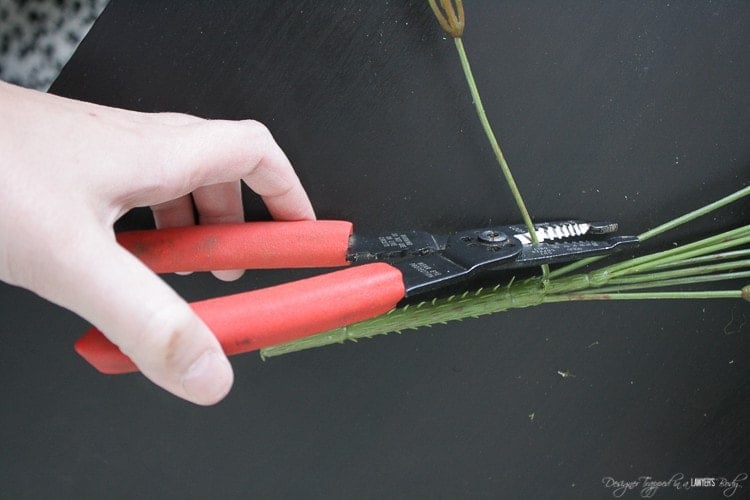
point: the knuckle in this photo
(241, 133)
(259, 138)
(259, 132)
(248, 144)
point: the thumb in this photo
(148, 321)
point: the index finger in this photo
(276, 182)
(219, 151)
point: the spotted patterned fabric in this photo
(37, 37)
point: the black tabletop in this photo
(630, 111)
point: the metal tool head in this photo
(467, 253)
(428, 261)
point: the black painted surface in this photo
(631, 111)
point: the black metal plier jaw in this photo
(429, 262)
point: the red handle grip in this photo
(252, 245)
(261, 318)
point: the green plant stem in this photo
(663, 228)
(680, 273)
(504, 168)
(726, 240)
(492, 139)
(658, 269)
(689, 280)
(676, 222)
(700, 295)
(711, 258)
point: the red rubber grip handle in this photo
(270, 316)
(252, 245)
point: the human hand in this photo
(70, 169)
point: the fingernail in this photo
(208, 379)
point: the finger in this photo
(145, 319)
(281, 191)
(220, 204)
(174, 213)
(216, 152)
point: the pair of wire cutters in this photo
(381, 270)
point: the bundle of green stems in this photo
(724, 257)
(677, 273)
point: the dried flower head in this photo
(451, 19)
